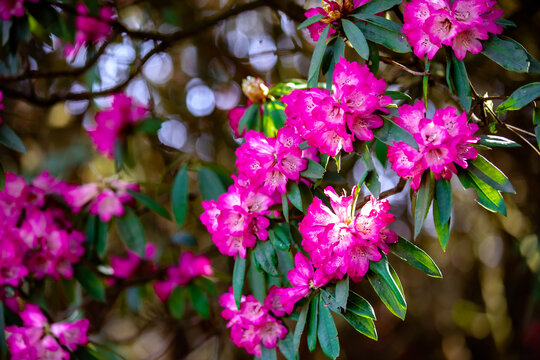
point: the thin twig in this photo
(390, 61)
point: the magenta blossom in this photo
(90, 29)
(460, 24)
(340, 242)
(124, 268)
(331, 121)
(442, 141)
(252, 326)
(113, 123)
(12, 8)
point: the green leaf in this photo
(507, 53)
(300, 325)
(149, 203)
(342, 292)
(239, 273)
(356, 37)
(316, 59)
(424, 195)
(327, 332)
(299, 195)
(9, 139)
(177, 302)
(257, 280)
(390, 132)
(2, 178)
(286, 347)
(266, 256)
(490, 174)
(184, 238)
(249, 118)
(279, 238)
(210, 184)
(285, 206)
(199, 301)
(374, 58)
(149, 125)
(363, 325)
(374, 7)
(314, 170)
(372, 178)
(310, 20)
(3, 345)
(497, 141)
(386, 287)
(338, 48)
(179, 195)
(521, 97)
(536, 122)
(101, 238)
(276, 113)
(268, 354)
(488, 197)
(385, 32)
(359, 306)
(461, 82)
(425, 80)
(505, 23)
(90, 282)
(443, 194)
(442, 229)
(398, 95)
(312, 323)
(131, 232)
(415, 256)
(50, 19)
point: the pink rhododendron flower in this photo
(15, 8)
(460, 24)
(72, 334)
(331, 121)
(189, 267)
(90, 29)
(124, 268)
(111, 124)
(237, 219)
(340, 242)
(442, 141)
(252, 326)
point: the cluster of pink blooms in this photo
(340, 242)
(9, 8)
(252, 325)
(90, 29)
(332, 10)
(331, 121)
(37, 339)
(268, 163)
(237, 219)
(126, 267)
(105, 202)
(111, 124)
(36, 236)
(189, 267)
(461, 24)
(442, 141)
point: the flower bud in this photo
(255, 89)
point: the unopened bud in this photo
(255, 89)
(333, 8)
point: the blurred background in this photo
(485, 307)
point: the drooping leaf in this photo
(268, 354)
(210, 184)
(442, 229)
(424, 195)
(385, 32)
(415, 256)
(239, 273)
(536, 123)
(149, 125)
(101, 238)
(149, 203)
(179, 195)
(443, 194)
(327, 332)
(300, 325)
(9, 139)
(342, 292)
(249, 120)
(310, 20)
(507, 53)
(390, 132)
(131, 232)
(177, 302)
(461, 82)
(280, 238)
(356, 37)
(398, 95)
(199, 301)
(285, 206)
(490, 174)
(266, 256)
(386, 287)
(521, 97)
(286, 347)
(257, 280)
(316, 59)
(312, 323)
(275, 110)
(338, 51)
(360, 306)
(363, 325)
(497, 141)
(314, 170)
(488, 197)
(90, 282)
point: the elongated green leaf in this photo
(314, 170)
(149, 125)
(210, 184)
(490, 174)
(275, 110)
(359, 306)
(521, 97)
(356, 37)
(179, 195)
(390, 132)
(536, 122)
(425, 80)
(398, 95)
(293, 194)
(338, 48)
(424, 195)
(443, 194)
(507, 53)
(257, 280)
(415, 256)
(385, 32)
(327, 332)
(268, 354)
(131, 232)
(280, 238)
(488, 197)
(374, 7)
(149, 203)
(442, 229)
(363, 325)
(9, 139)
(372, 177)
(177, 302)
(342, 292)
(101, 239)
(386, 287)
(316, 59)
(497, 141)
(90, 282)
(199, 301)
(312, 323)
(3, 345)
(266, 256)
(239, 273)
(461, 82)
(248, 120)
(2, 178)
(300, 325)
(310, 20)
(285, 206)
(286, 347)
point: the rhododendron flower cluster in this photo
(90, 29)
(37, 339)
(112, 124)
(340, 242)
(237, 219)
(442, 141)
(126, 267)
(9, 8)
(105, 201)
(332, 10)
(35, 234)
(252, 326)
(189, 267)
(331, 121)
(257, 92)
(268, 162)
(460, 24)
